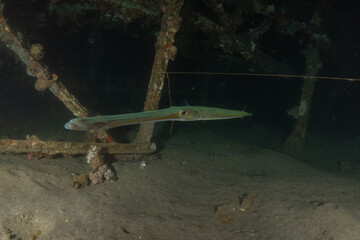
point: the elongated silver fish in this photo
(186, 113)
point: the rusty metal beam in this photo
(165, 50)
(51, 148)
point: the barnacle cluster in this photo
(43, 83)
(99, 169)
(79, 181)
(37, 51)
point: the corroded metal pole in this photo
(32, 144)
(165, 50)
(295, 142)
(45, 80)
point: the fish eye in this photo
(183, 113)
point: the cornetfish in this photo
(175, 113)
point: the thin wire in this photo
(264, 75)
(170, 101)
(169, 88)
(171, 127)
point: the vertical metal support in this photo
(165, 50)
(295, 142)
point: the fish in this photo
(174, 113)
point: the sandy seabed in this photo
(193, 191)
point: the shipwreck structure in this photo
(233, 27)
(48, 81)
